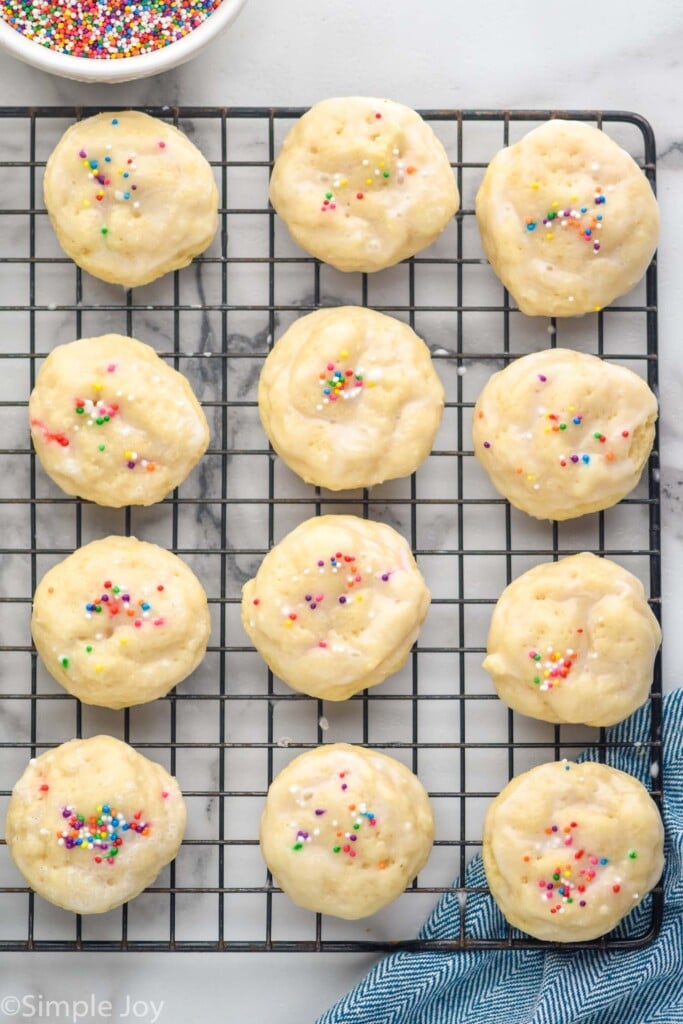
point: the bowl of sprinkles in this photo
(111, 40)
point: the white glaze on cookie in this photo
(130, 197)
(96, 865)
(561, 635)
(336, 606)
(120, 622)
(569, 849)
(363, 183)
(345, 829)
(567, 219)
(114, 423)
(562, 433)
(349, 398)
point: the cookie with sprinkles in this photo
(120, 622)
(363, 183)
(570, 849)
(336, 606)
(349, 398)
(344, 830)
(562, 433)
(130, 197)
(91, 823)
(573, 641)
(567, 218)
(114, 423)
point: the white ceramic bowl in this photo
(83, 69)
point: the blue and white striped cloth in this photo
(639, 986)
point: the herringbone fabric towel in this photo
(640, 986)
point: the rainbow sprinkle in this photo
(116, 600)
(105, 31)
(340, 837)
(370, 174)
(551, 670)
(132, 460)
(96, 410)
(102, 833)
(566, 423)
(341, 593)
(340, 382)
(585, 220)
(570, 880)
(92, 412)
(113, 181)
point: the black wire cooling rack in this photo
(226, 731)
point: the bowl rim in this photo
(122, 68)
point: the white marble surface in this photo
(618, 54)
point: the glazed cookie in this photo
(344, 830)
(130, 197)
(562, 434)
(120, 622)
(336, 606)
(568, 220)
(90, 824)
(114, 423)
(363, 183)
(349, 398)
(569, 849)
(573, 641)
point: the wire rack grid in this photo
(227, 730)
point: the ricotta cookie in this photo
(336, 606)
(91, 823)
(349, 398)
(562, 434)
(130, 197)
(569, 849)
(345, 830)
(573, 641)
(568, 220)
(120, 622)
(363, 183)
(114, 423)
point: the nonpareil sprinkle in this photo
(102, 832)
(117, 602)
(338, 381)
(551, 669)
(105, 31)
